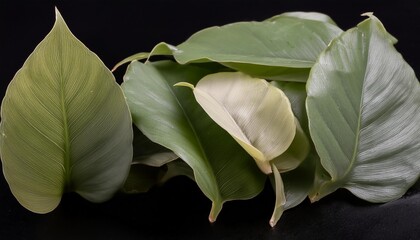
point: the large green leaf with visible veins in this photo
(364, 111)
(65, 125)
(171, 117)
(282, 48)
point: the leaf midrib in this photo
(359, 120)
(64, 114)
(200, 145)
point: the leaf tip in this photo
(57, 14)
(184, 84)
(214, 212)
(367, 14)
(272, 223)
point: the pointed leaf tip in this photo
(367, 14)
(57, 14)
(214, 212)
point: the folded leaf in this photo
(364, 111)
(143, 177)
(257, 115)
(171, 117)
(148, 153)
(295, 153)
(65, 125)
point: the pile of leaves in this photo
(292, 99)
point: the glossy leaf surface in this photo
(364, 111)
(65, 125)
(170, 116)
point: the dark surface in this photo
(178, 210)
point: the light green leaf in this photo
(364, 111)
(171, 117)
(280, 197)
(257, 115)
(65, 125)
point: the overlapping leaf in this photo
(258, 116)
(298, 183)
(65, 125)
(364, 111)
(282, 48)
(171, 117)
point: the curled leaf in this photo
(257, 115)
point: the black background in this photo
(178, 210)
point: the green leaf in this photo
(149, 153)
(298, 182)
(161, 49)
(152, 165)
(171, 117)
(292, 188)
(65, 125)
(364, 111)
(296, 93)
(257, 115)
(143, 177)
(295, 153)
(284, 48)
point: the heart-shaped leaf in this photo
(171, 117)
(65, 125)
(364, 111)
